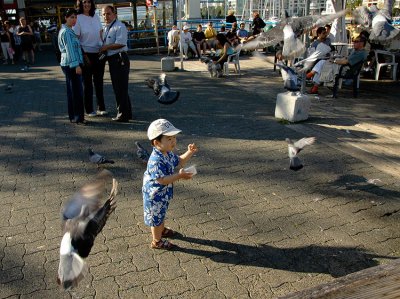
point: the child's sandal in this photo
(168, 233)
(162, 244)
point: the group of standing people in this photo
(16, 41)
(85, 48)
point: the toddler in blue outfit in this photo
(159, 177)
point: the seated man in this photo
(355, 60)
(322, 37)
(173, 39)
(200, 40)
(242, 33)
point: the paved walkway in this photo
(251, 228)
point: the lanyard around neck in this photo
(108, 30)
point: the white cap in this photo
(185, 27)
(161, 127)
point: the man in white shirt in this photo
(173, 39)
(115, 37)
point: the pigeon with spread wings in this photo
(289, 29)
(83, 218)
(294, 148)
(162, 90)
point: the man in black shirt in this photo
(200, 40)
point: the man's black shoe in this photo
(120, 120)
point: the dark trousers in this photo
(93, 73)
(74, 94)
(119, 65)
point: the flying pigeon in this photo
(363, 16)
(321, 52)
(378, 21)
(98, 159)
(297, 25)
(162, 89)
(294, 148)
(83, 219)
(142, 153)
(213, 68)
(292, 46)
(382, 30)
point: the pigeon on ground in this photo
(83, 218)
(294, 148)
(142, 153)
(162, 89)
(98, 159)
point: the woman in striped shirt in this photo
(71, 61)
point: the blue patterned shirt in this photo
(70, 48)
(156, 197)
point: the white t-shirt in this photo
(186, 37)
(88, 30)
(173, 37)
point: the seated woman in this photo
(226, 49)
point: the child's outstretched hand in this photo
(192, 148)
(185, 175)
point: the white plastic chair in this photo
(391, 62)
(233, 58)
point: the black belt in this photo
(116, 55)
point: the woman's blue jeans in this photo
(74, 94)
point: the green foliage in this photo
(352, 4)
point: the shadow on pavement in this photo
(360, 183)
(336, 261)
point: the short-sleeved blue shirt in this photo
(357, 56)
(156, 197)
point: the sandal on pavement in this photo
(162, 244)
(168, 233)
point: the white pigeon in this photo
(321, 52)
(292, 46)
(83, 219)
(98, 159)
(294, 148)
